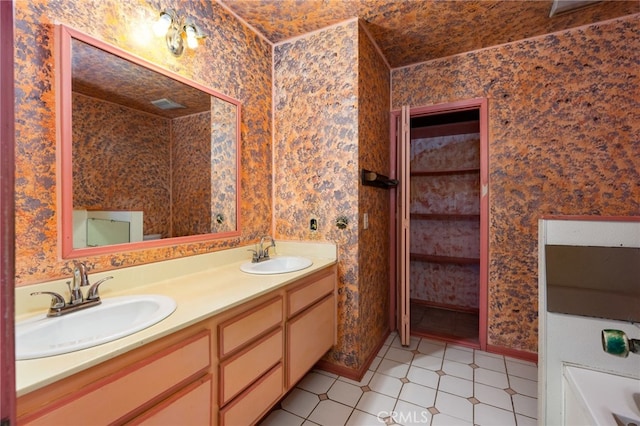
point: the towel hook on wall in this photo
(370, 178)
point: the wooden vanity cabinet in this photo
(251, 348)
(160, 376)
(230, 369)
(266, 349)
(311, 323)
(189, 407)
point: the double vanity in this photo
(235, 344)
(207, 339)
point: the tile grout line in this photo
(408, 362)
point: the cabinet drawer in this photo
(309, 336)
(247, 326)
(239, 371)
(253, 403)
(113, 398)
(189, 407)
(307, 294)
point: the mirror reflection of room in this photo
(152, 157)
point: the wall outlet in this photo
(365, 221)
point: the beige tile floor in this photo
(428, 383)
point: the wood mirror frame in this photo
(64, 39)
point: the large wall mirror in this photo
(147, 158)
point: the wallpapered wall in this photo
(374, 251)
(203, 169)
(563, 133)
(126, 168)
(191, 175)
(170, 169)
(327, 126)
(319, 120)
(564, 138)
(445, 284)
(232, 60)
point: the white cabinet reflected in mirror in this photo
(147, 157)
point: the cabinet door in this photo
(242, 329)
(309, 336)
(189, 407)
(239, 371)
(254, 403)
(116, 398)
(309, 293)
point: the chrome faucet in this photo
(77, 300)
(262, 253)
(80, 279)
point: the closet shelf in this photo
(449, 129)
(445, 259)
(444, 172)
(444, 216)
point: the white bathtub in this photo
(598, 398)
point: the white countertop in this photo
(202, 286)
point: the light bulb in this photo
(192, 39)
(163, 23)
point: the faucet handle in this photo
(265, 252)
(92, 294)
(255, 257)
(75, 294)
(57, 301)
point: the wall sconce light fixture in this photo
(176, 29)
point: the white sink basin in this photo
(114, 318)
(277, 265)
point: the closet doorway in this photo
(442, 217)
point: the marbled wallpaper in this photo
(160, 166)
(191, 175)
(413, 31)
(232, 60)
(331, 99)
(126, 168)
(446, 285)
(316, 157)
(450, 152)
(374, 245)
(564, 138)
(453, 285)
(564, 133)
(224, 167)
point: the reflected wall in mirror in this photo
(147, 157)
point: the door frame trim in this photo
(7, 216)
(481, 104)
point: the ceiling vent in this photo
(165, 103)
(566, 6)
